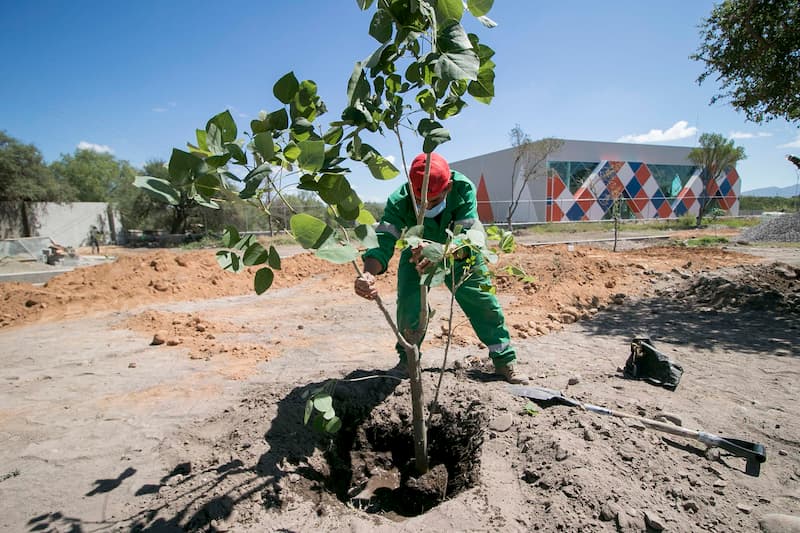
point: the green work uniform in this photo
(481, 307)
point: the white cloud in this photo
(99, 148)
(747, 135)
(794, 144)
(161, 109)
(679, 130)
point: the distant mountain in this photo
(784, 192)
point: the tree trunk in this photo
(26, 224)
(417, 409)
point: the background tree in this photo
(530, 162)
(89, 176)
(23, 173)
(753, 49)
(715, 155)
(24, 177)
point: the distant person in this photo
(94, 240)
(451, 201)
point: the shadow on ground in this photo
(747, 331)
(199, 497)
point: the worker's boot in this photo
(511, 375)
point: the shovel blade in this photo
(540, 393)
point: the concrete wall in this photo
(67, 224)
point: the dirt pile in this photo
(774, 287)
(139, 279)
(785, 228)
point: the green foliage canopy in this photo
(91, 176)
(24, 176)
(752, 47)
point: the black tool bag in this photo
(647, 363)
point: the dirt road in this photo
(103, 431)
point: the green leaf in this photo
(237, 153)
(382, 25)
(434, 278)
(381, 168)
(335, 252)
(515, 271)
(479, 8)
(365, 217)
(364, 4)
(433, 252)
(333, 425)
(161, 190)
(263, 144)
(312, 155)
(230, 236)
(366, 234)
(482, 89)
(207, 185)
(183, 166)
(229, 260)
(226, 125)
(291, 151)
(309, 231)
(507, 243)
(277, 120)
(447, 10)
(427, 101)
(357, 85)
(450, 108)
(216, 161)
(274, 260)
(201, 139)
(323, 402)
(476, 237)
(415, 231)
(333, 135)
(214, 139)
(285, 88)
(255, 254)
(244, 242)
(457, 60)
(434, 138)
(263, 280)
(309, 410)
(427, 125)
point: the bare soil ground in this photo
(103, 430)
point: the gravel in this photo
(785, 228)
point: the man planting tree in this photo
(451, 202)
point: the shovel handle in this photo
(653, 424)
(749, 450)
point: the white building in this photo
(580, 180)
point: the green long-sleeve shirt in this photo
(461, 208)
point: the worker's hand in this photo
(421, 263)
(365, 286)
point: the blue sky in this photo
(137, 78)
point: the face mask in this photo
(433, 211)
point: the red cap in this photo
(439, 176)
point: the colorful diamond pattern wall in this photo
(639, 188)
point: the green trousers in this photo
(481, 307)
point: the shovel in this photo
(755, 454)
